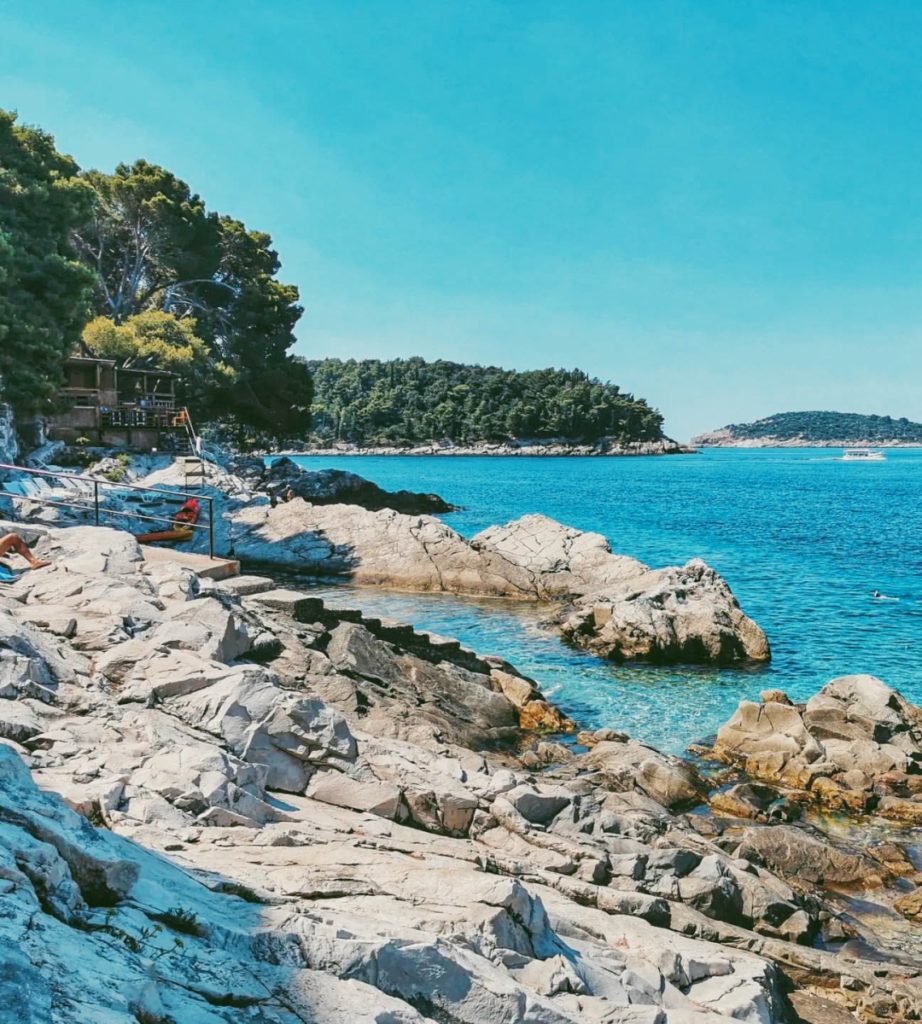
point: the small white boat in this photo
(862, 455)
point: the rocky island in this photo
(815, 430)
(416, 407)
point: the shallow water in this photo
(802, 538)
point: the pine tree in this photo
(44, 289)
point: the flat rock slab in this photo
(246, 586)
(296, 603)
(201, 565)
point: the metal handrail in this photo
(95, 508)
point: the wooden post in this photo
(98, 389)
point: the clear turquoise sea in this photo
(802, 538)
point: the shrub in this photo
(181, 920)
(143, 1016)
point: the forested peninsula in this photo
(406, 402)
(818, 429)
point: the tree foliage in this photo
(151, 339)
(153, 245)
(275, 401)
(149, 240)
(44, 290)
(847, 427)
(157, 340)
(172, 283)
(405, 401)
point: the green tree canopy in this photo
(275, 400)
(154, 339)
(404, 401)
(153, 245)
(44, 290)
(826, 426)
(148, 240)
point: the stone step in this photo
(344, 614)
(246, 586)
(296, 603)
(395, 632)
(201, 565)
(442, 644)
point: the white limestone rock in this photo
(291, 735)
(617, 607)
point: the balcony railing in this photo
(153, 399)
(159, 419)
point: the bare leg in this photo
(13, 542)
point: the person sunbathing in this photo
(13, 542)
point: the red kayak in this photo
(183, 522)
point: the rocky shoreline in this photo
(332, 487)
(853, 747)
(226, 802)
(723, 439)
(534, 449)
(229, 802)
(610, 605)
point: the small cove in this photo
(802, 537)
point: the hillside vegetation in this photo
(133, 266)
(819, 428)
(408, 401)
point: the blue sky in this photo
(716, 205)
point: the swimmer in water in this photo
(878, 596)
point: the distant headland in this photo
(815, 430)
(413, 406)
